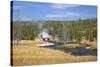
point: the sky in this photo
(22, 10)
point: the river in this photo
(82, 51)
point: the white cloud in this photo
(72, 14)
(55, 15)
(69, 14)
(62, 6)
(18, 7)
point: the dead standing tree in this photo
(66, 35)
(18, 27)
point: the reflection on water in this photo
(74, 51)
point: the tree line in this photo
(76, 29)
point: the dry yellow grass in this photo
(71, 46)
(30, 55)
(93, 44)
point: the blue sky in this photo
(51, 11)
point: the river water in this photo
(74, 51)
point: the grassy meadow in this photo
(27, 53)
